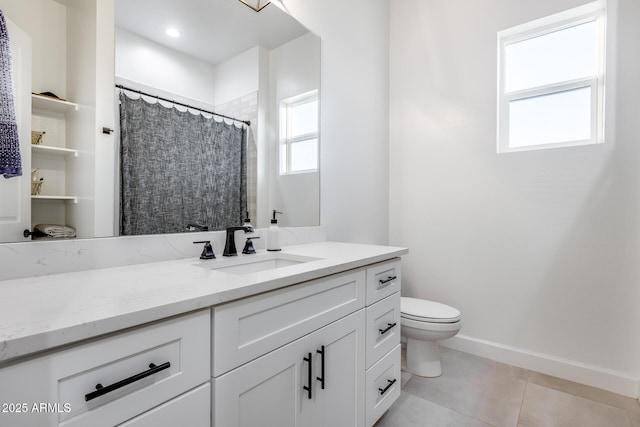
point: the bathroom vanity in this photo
(303, 337)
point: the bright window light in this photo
(554, 118)
(299, 134)
(562, 55)
(551, 81)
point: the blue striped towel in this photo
(10, 162)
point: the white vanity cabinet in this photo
(282, 351)
(383, 338)
(114, 379)
(274, 352)
(285, 387)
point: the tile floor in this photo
(473, 391)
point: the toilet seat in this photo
(427, 311)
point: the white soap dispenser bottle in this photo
(273, 234)
(247, 223)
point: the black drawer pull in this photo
(321, 379)
(102, 390)
(384, 390)
(308, 388)
(387, 280)
(390, 326)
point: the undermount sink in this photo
(243, 264)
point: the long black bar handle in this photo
(321, 379)
(308, 388)
(102, 390)
(389, 327)
(387, 280)
(384, 390)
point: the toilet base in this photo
(423, 358)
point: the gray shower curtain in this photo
(178, 168)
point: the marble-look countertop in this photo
(40, 313)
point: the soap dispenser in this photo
(273, 234)
(247, 222)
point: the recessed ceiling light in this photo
(172, 32)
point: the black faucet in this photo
(207, 251)
(197, 227)
(230, 245)
(248, 246)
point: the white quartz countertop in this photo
(40, 313)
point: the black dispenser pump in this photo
(274, 220)
(247, 220)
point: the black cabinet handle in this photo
(102, 390)
(308, 388)
(390, 326)
(321, 379)
(384, 390)
(387, 280)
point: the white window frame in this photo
(595, 11)
(285, 131)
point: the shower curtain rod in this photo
(246, 122)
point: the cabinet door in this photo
(341, 402)
(265, 392)
(273, 390)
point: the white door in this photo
(267, 391)
(341, 402)
(273, 390)
(15, 193)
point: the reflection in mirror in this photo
(222, 56)
(226, 58)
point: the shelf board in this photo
(71, 199)
(47, 149)
(46, 103)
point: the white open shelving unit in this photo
(54, 109)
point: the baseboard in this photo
(614, 381)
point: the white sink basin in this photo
(243, 264)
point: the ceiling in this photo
(211, 30)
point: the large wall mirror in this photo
(262, 67)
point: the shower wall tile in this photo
(246, 108)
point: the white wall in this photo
(294, 70)
(237, 76)
(354, 171)
(539, 250)
(142, 61)
(45, 22)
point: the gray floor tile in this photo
(477, 387)
(580, 390)
(404, 377)
(412, 411)
(547, 407)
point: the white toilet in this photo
(423, 324)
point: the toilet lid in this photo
(427, 311)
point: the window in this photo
(299, 133)
(551, 81)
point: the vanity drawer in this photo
(383, 279)
(246, 329)
(382, 385)
(178, 348)
(383, 327)
(192, 409)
